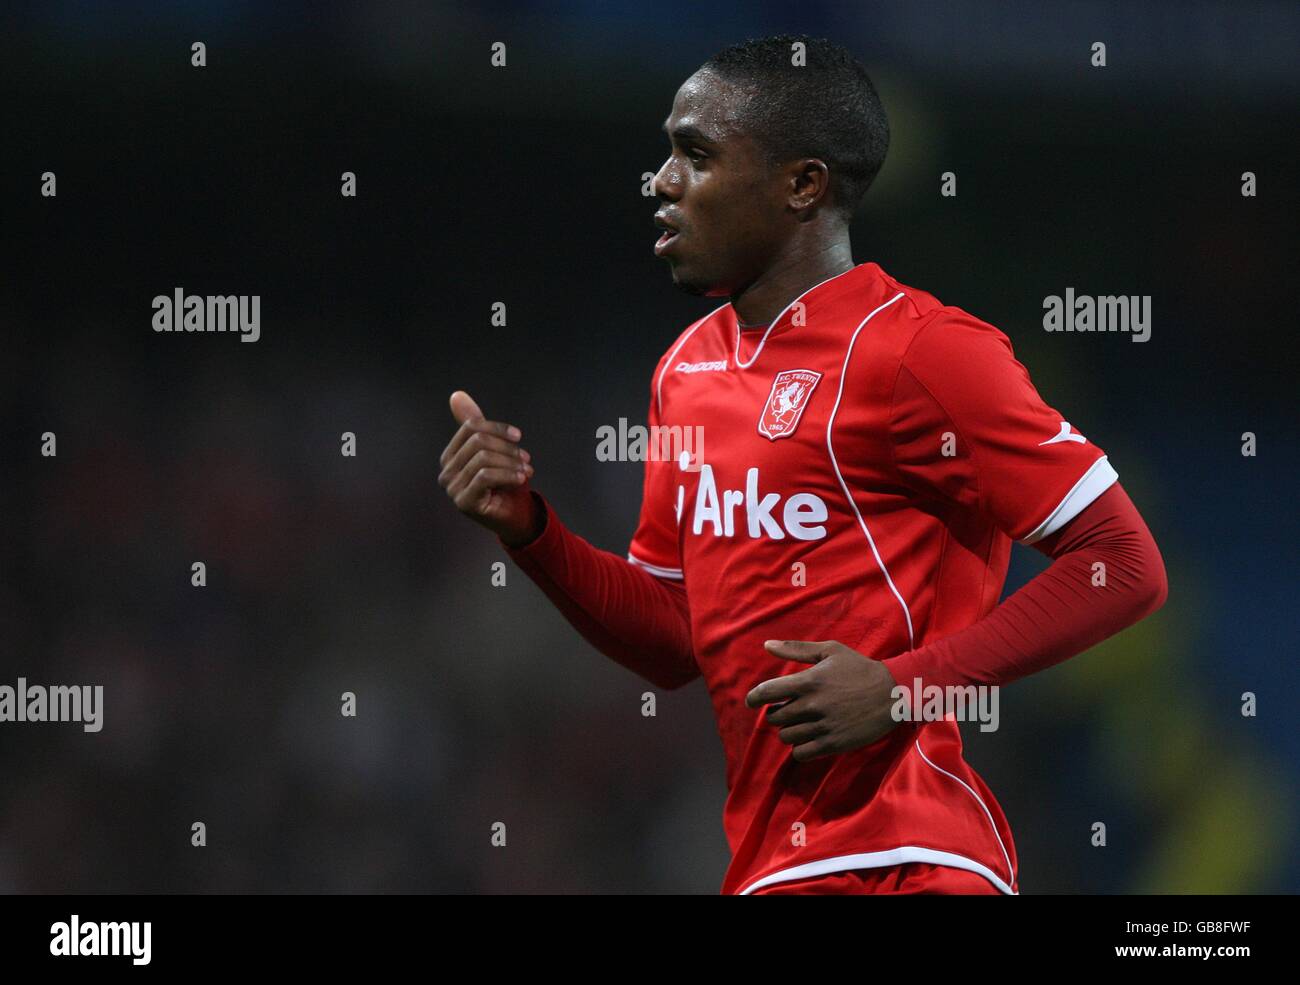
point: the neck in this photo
(761, 300)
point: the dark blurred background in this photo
(478, 704)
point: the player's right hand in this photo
(486, 473)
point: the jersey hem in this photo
(877, 860)
(672, 574)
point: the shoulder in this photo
(913, 330)
(915, 323)
(949, 336)
(935, 335)
(944, 351)
(965, 365)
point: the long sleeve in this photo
(633, 617)
(1072, 605)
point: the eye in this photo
(696, 157)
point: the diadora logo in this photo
(801, 516)
(785, 404)
(717, 366)
(1065, 435)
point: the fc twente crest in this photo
(790, 392)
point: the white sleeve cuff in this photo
(672, 574)
(1100, 477)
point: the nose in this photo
(667, 182)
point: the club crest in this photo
(790, 393)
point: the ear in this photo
(809, 184)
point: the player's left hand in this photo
(842, 702)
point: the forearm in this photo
(1062, 611)
(632, 617)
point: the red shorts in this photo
(910, 878)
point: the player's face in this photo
(718, 191)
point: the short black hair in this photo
(825, 108)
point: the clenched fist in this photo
(486, 474)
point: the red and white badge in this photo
(790, 392)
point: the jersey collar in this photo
(814, 297)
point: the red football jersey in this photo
(865, 462)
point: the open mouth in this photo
(667, 235)
(662, 242)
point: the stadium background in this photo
(328, 574)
